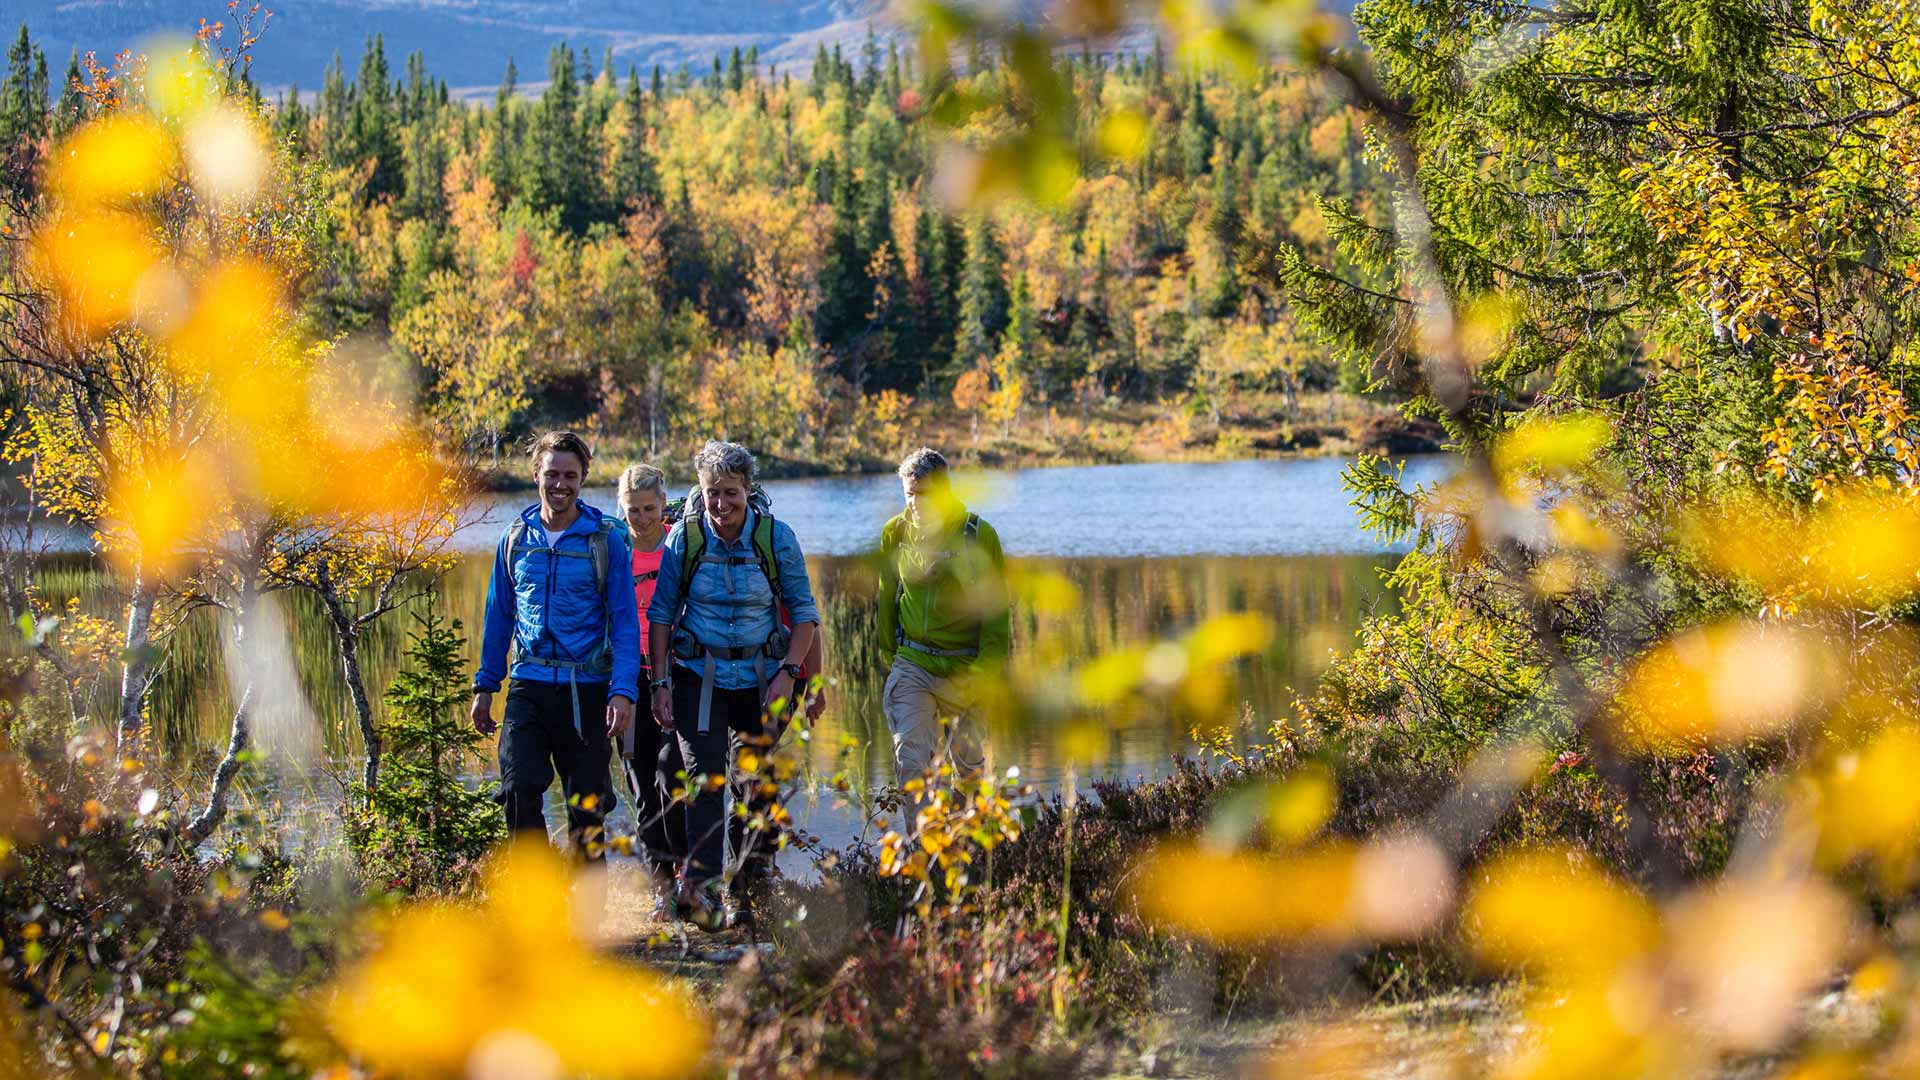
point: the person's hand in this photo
(816, 703)
(780, 688)
(663, 707)
(482, 713)
(619, 715)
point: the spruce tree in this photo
(23, 118)
(72, 107)
(421, 829)
(371, 134)
(982, 297)
(634, 178)
(503, 151)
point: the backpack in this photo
(694, 548)
(600, 552)
(970, 535)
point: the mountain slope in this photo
(466, 42)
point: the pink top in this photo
(646, 572)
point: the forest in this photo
(610, 242)
(1620, 784)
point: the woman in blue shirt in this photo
(718, 631)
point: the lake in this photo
(1151, 549)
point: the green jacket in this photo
(946, 592)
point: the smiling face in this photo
(725, 496)
(559, 475)
(643, 511)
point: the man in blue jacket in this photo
(562, 594)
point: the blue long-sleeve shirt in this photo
(730, 606)
(543, 602)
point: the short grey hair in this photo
(724, 459)
(923, 463)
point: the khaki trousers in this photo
(914, 701)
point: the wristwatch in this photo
(791, 669)
(662, 683)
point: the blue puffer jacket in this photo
(547, 607)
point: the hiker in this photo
(650, 757)
(576, 652)
(944, 620)
(717, 637)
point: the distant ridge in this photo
(467, 42)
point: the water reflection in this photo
(1316, 601)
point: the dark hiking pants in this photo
(653, 771)
(736, 722)
(538, 740)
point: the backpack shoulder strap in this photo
(972, 529)
(693, 545)
(602, 553)
(516, 537)
(763, 549)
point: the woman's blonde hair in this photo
(641, 478)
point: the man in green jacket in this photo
(944, 620)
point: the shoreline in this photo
(1382, 432)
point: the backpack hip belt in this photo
(687, 648)
(901, 639)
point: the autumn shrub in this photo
(964, 994)
(132, 950)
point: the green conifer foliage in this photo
(422, 828)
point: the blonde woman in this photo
(650, 757)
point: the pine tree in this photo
(846, 291)
(634, 177)
(371, 134)
(290, 119)
(425, 196)
(1222, 294)
(982, 301)
(72, 108)
(559, 165)
(503, 151)
(23, 118)
(421, 829)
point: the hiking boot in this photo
(737, 912)
(697, 907)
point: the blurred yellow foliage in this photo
(1241, 899)
(1728, 682)
(1866, 803)
(1299, 806)
(452, 989)
(1125, 134)
(98, 260)
(1552, 446)
(113, 160)
(163, 507)
(1748, 951)
(1550, 912)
